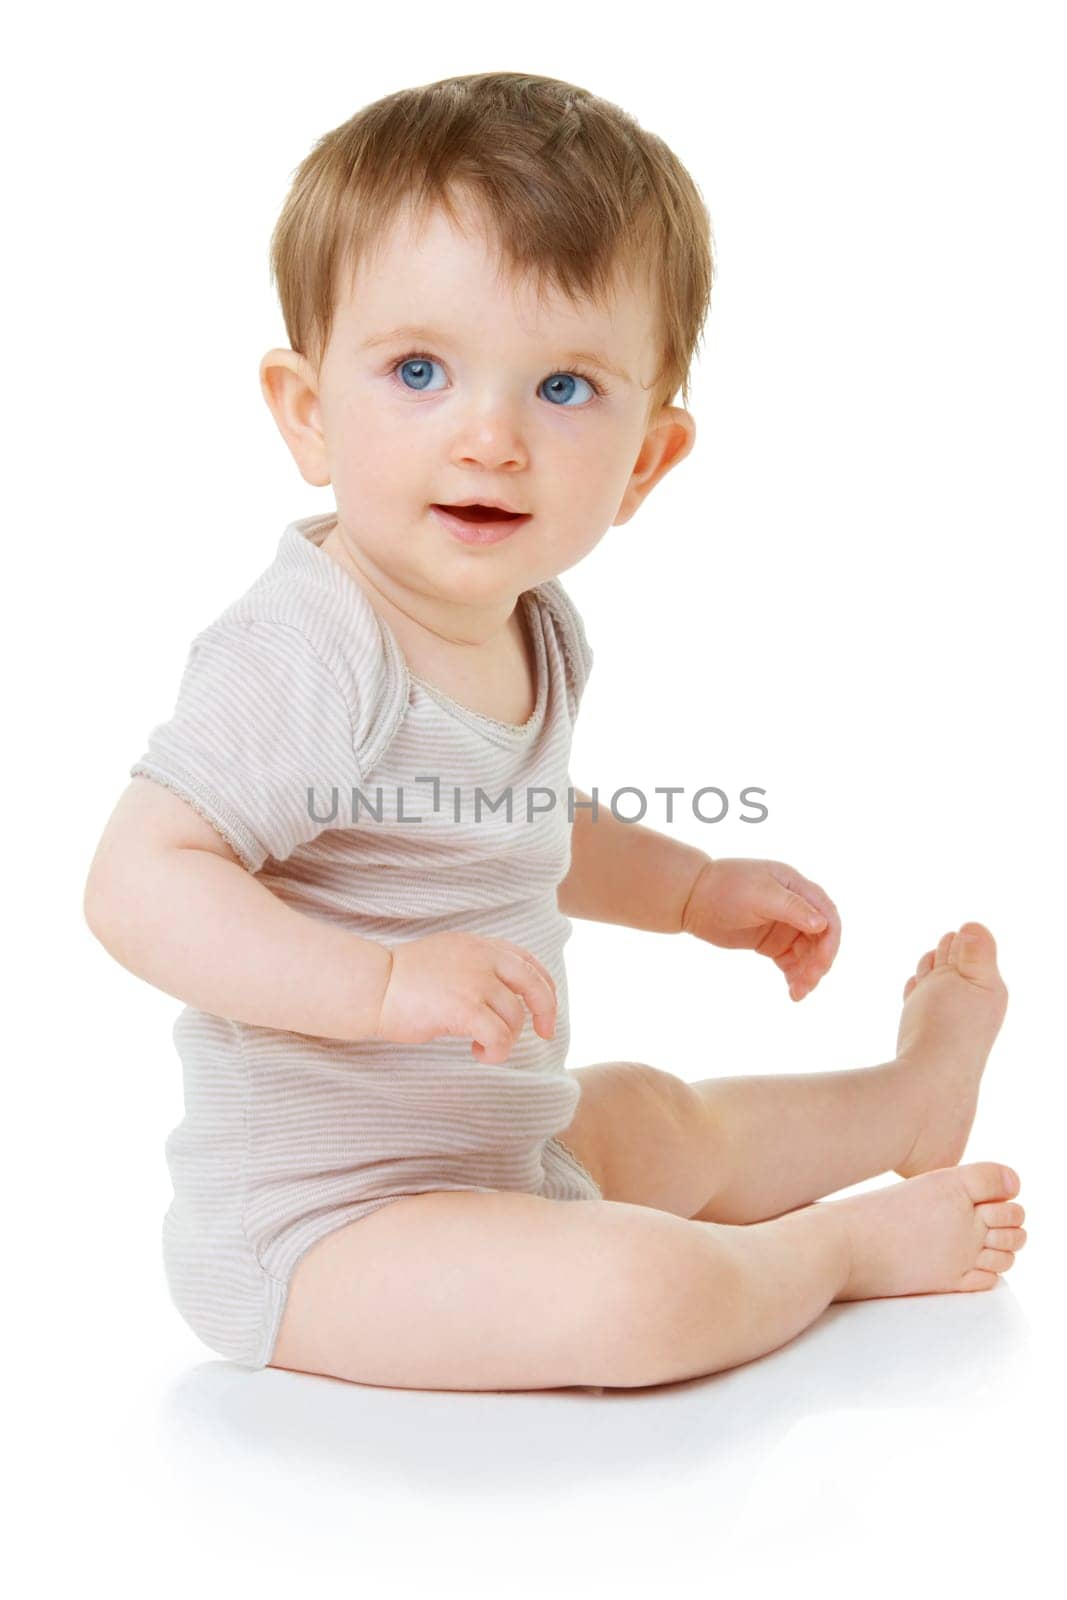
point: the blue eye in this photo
(560, 386)
(420, 371)
(414, 371)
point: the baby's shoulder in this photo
(311, 639)
(341, 636)
(565, 622)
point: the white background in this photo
(850, 594)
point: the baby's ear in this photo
(290, 389)
(670, 437)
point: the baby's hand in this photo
(460, 983)
(766, 906)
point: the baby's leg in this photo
(792, 1139)
(469, 1290)
(745, 1149)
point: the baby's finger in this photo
(822, 953)
(491, 1035)
(527, 956)
(831, 935)
(816, 961)
(529, 979)
(799, 948)
(785, 905)
(779, 942)
(792, 961)
(508, 1004)
(803, 982)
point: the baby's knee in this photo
(650, 1095)
(641, 1083)
(667, 1284)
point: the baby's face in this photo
(442, 384)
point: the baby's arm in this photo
(626, 873)
(170, 900)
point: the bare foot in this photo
(953, 1009)
(940, 1233)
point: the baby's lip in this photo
(489, 505)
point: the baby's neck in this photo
(421, 624)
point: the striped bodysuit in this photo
(300, 686)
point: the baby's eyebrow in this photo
(412, 331)
(593, 359)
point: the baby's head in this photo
(493, 286)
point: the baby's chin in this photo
(451, 576)
(424, 558)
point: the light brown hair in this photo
(571, 188)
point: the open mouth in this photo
(480, 525)
(481, 513)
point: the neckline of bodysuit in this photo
(311, 531)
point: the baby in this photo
(338, 854)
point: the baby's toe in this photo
(941, 954)
(925, 964)
(975, 955)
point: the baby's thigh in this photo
(460, 1289)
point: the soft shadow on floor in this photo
(939, 1351)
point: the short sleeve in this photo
(259, 740)
(570, 631)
